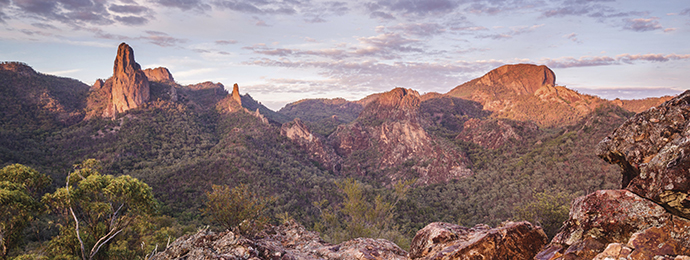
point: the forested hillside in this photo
(413, 159)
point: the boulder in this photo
(653, 150)
(618, 223)
(511, 240)
(287, 241)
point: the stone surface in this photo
(159, 74)
(653, 151)
(314, 144)
(129, 85)
(512, 240)
(388, 132)
(606, 218)
(493, 133)
(127, 89)
(287, 241)
(236, 94)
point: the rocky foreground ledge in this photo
(512, 240)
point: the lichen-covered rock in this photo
(512, 240)
(653, 150)
(287, 241)
(608, 222)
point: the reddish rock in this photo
(521, 78)
(236, 94)
(653, 151)
(606, 218)
(127, 89)
(512, 240)
(130, 87)
(388, 131)
(159, 74)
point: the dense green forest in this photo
(174, 152)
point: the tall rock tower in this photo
(130, 86)
(127, 89)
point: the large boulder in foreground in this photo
(512, 240)
(653, 149)
(287, 241)
(618, 223)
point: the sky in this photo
(281, 51)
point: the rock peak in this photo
(400, 98)
(236, 94)
(521, 78)
(127, 89)
(159, 74)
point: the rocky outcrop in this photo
(236, 94)
(653, 151)
(287, 241)
(494, 133)
(129, 85)
(521, 78)
(526, 92)
(512, 240)
(649, 218)
(314, 144)
(618, 222)
(159, 74)
(127, 89)
(389, 134)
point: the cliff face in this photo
(127, 89)
(391, 135)
(159, 74)
(648, 219)
(527, 92)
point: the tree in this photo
(19, 189)
(358, 216)
(237, 209)
(548, 209)
(96, 208)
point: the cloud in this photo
(132, 20)
(129, 9)
(685, 12)
(642, 24)
(225, 42)
(589, 8)
(630, 93)
(419, 29)
(161, 39)
(185, 5)
(516, 30)
(589, 61)
(572, 37)
(388, 9)
(66, 11)
(368, 76)
(258, 6)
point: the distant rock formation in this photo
(314, 144)
(512, 240)
(527, 92)
(159, 74)
(649, 218)
(287, 241)
(389, 129)
(494, 133)
(127, 89)
(236, 94)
